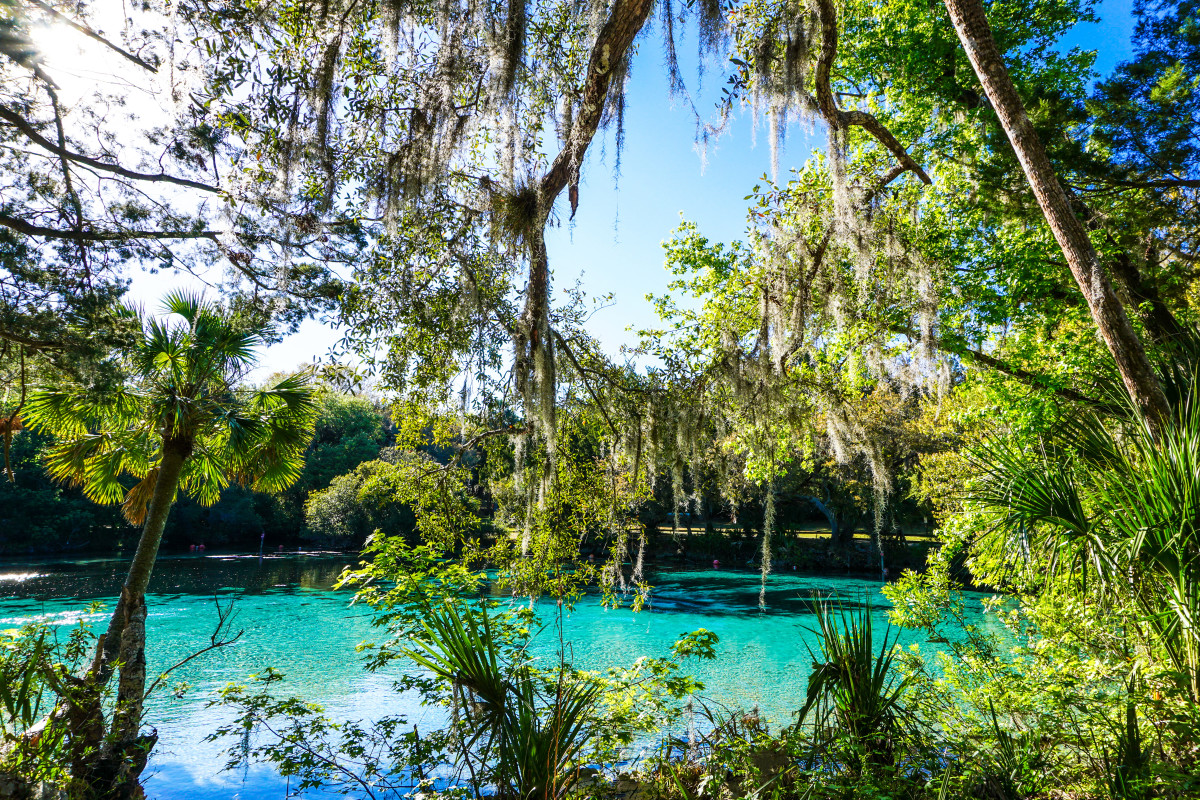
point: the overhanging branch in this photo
(92, 235)
(834, 116)
(31, 133)
(91, 34)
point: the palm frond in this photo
(184, 372)
(1119, 501)
(205, 476)
(1028, 489)
(186, 304)
(544, 742)
(137, 500)
(59, 413)
(96, 462)
(102, 476)
(293, 395)
(460, 647)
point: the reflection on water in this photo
(294, 621)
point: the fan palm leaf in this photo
(1111, 498)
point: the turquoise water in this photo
(294, 621)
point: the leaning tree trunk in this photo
(175, 453)
(835, 532)
(1143, 385)
(109, 765)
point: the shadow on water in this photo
(720, 592)
(737, 594)
(201, 574)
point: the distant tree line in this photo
(351, 486)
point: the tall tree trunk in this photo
(109, 766)
(175, 453)
(1143, 386)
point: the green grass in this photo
(809, 530)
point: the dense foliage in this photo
(973, 309)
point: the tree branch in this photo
(834, 116)
(23, 125)
(624, 23)
(562, 343)
(981, 358)
(91, 34)
(220, 638)
(29, 229)
(37, 345)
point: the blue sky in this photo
(614, 244)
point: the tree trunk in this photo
(110, 768)
(175, 453)
(1143, 386)
(533, 371)
(1159, 323)
(835, 535)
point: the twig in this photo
(224, 616)
(91, 34)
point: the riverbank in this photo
(294, 621)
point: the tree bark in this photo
(175, 453)
(835, 117)
(625, 22)
(970, 22)
(110, 769)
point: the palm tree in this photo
(180, 422)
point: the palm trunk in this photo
(1143, 386)
(109, 766)
(174, 455)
